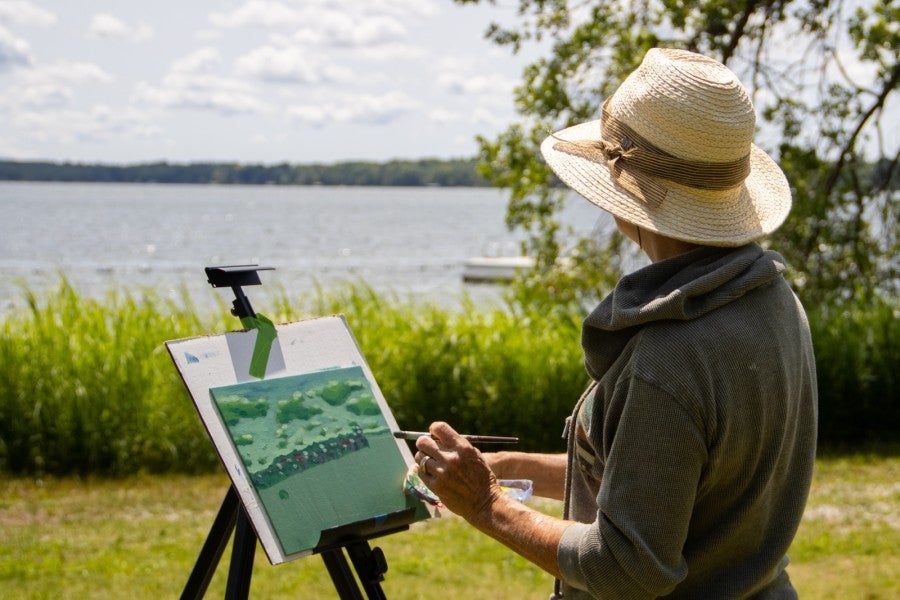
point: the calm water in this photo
(103, 236)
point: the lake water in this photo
(408, 241)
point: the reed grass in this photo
(857, 347)
(86, 385)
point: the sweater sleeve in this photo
(654, 454)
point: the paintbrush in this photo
(475, 439)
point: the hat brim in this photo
(713, 218)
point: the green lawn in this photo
(139, 538)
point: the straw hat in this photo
(673, 153)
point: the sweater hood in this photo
(680, 288)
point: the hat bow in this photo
(642, 168)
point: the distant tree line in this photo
(453, 172)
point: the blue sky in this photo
(250, 80)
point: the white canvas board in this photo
(304, 354)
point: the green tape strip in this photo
(265, 335)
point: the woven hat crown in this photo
(688, 105)
(673, 153)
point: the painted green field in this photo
(139, 538)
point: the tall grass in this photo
(857, 347)
(86, 386)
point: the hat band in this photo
(638, 166)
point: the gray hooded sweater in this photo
(691, 455)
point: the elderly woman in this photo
(690, 455)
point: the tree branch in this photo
(740, 26)
(851, 141)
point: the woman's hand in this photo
(457, 472)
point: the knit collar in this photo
(680, 288)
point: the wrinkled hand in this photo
(457, 472)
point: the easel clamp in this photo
(230, 276)
(235, 276)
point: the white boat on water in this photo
(491, 269)
(500, 261)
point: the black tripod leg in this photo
(213, 548)
(370, 566)
(241, 559)
(341, 575)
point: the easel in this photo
(369, 563)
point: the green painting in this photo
(318, 450)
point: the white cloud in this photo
(290, 64)
(280, 64)
(316, 23)
(394, 51)
(50, 87)
(208, 35)
(209, 92)
(360, 109)
(487, 117)
(310, 114)
(468, 85)
(263, 13)
(202, 60)
(46, 97)
(478, 95)
(17, 150)
(69, 71)
(14, 51)
(444, 115)
(332, 28)
(291, 13)
(397, 8)
(96, 124)
(193, 83)
(471, 77)
(105, 25)
(20, 12)
(465, 141)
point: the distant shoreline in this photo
(403, 173)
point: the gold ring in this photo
(422, 467)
